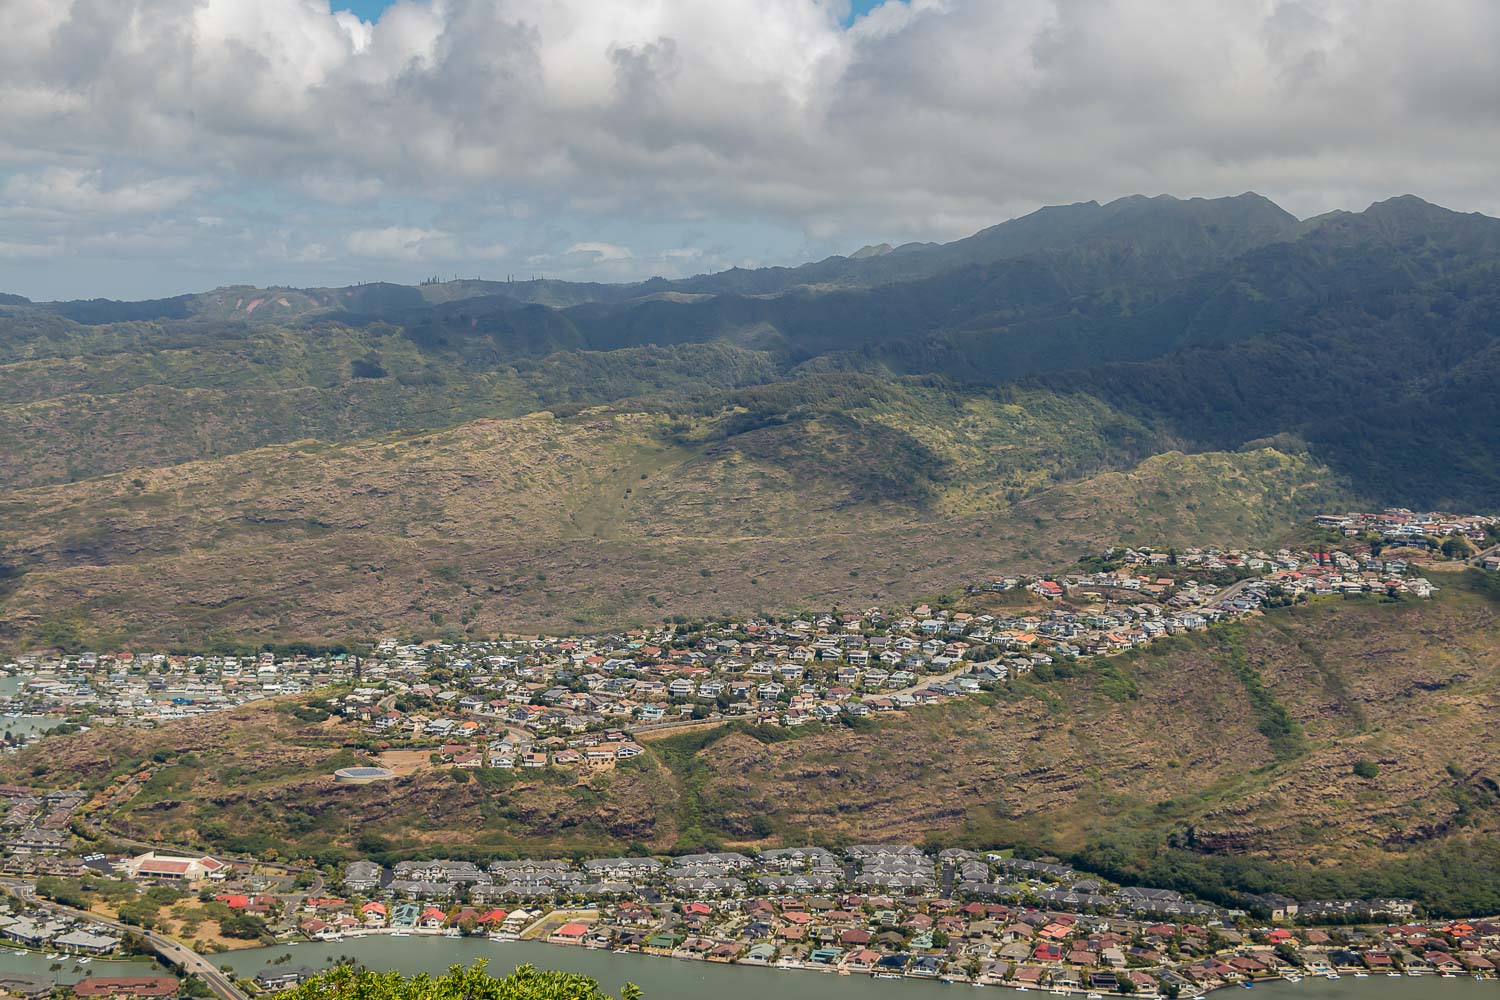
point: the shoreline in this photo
(1290, 978)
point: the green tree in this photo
(1457, 547)
(194, 986)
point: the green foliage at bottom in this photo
(458, 983)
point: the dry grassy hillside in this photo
(605, 518)
(1174, 741)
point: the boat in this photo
(1361, 975)
(1293, 979)
(1096, 996)
(886, 975)
(84, 961)
(400, 934)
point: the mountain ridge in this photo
(1360, 343)
(1039, 230)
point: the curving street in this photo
(173, 952)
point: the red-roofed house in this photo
(1047, 952)
(570, 933)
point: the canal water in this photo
(69, 971)
(21, 725)
(672, 979)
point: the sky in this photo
(153, 147)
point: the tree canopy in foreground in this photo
(458, 983)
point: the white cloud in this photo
(406, 243)
(77, 191)
(11, 250)
(600, 251)
(923, 120)
(410, 243)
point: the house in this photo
(570, 933)
(362, 876)
(26, 987)
(432, 918)
(1029, 975)
(1048, 951)
(276, 980)
(622, 868)
(161, 868)
(82, 942)
(759, 954)
(1247, 966)
(1048, 589)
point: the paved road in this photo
(294, 902)
(967, 667)
(1478, 560)
(1234, 590)
(173, 952)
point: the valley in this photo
(474, 465)
(1313, 736)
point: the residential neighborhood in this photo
(881, 910)
(573, 701)
(590, 703)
